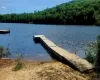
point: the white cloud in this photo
(4, 8)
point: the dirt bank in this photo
(39, 71)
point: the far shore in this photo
(52, 24)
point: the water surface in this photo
(70, 37)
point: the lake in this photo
(70, 37)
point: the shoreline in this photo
(40, 70)
(52, 24)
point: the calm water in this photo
(70, 37)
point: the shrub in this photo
(93, 54)
(90, 52)
(97, 65)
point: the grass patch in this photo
(18, 66)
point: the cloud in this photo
(4, 8)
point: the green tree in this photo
(79, 12)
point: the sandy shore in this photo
(52, 70)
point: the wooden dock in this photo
(79, 63)
(4, 31)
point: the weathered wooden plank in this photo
(78, 62)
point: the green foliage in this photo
(4, 52)
(93, 54)
(19, 64)
(97, 65)
(85, 12)
(90, 52)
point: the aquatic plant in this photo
(4, 52)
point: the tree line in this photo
(77, 12)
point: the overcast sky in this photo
(20, 6)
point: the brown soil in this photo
(39, 71)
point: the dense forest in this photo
(79, 12)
